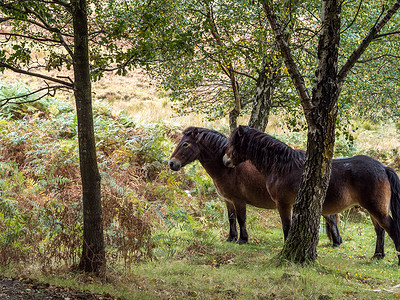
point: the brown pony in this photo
(238, 186)
(358, 180)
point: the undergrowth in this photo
(40, 206)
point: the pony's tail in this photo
(395, 201)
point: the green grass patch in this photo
(224, 270)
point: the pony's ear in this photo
(195, 132)
(241, 130)
(191, 132)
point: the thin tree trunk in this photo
(266, 83)
(93, 253)
(233, 116)
(234, 113)
(302, 241)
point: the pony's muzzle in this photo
(227, 161)
(174, 164)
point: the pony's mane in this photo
(267, 153)
(212, 140)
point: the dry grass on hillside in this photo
(135, 93)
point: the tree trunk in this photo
(93, 253)
(266, 83)
(302, 241)
(234, 113)
(233, 116)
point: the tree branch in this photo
(354, 19)
(378, 57)
(293, 71)
(364, 44)
(50, 91)
(20, 71)
(51, 29)
(5, 19)
(245, 75)
(60, 2)
(39, 39)
(33, 22)
(386, 34)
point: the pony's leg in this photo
(387, 223)
(241, 217)
(233, 235)
(389, 226)
(285, 212)
(380, 241)
(332, 230)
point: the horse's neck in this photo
(261, 167)
(213, 166)
(269, 162)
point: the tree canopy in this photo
(195, 47)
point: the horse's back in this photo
(359, 170)
(356, 180)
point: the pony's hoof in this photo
(232, 239)
(241, 242)
(378, 256)
(335, 245)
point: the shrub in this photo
(40, 209)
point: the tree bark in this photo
(234, 113)
(93, 253)
(320, 112)
(302, 241)
(267, 81)
(233, 116)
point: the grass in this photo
(223, 270)
(201, 268)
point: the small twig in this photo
(51, 90)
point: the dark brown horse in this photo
(238, 186)
(358, 180)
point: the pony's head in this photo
(235, 152)
(186, 151)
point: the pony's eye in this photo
(185, 145)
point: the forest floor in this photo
(24, 288)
